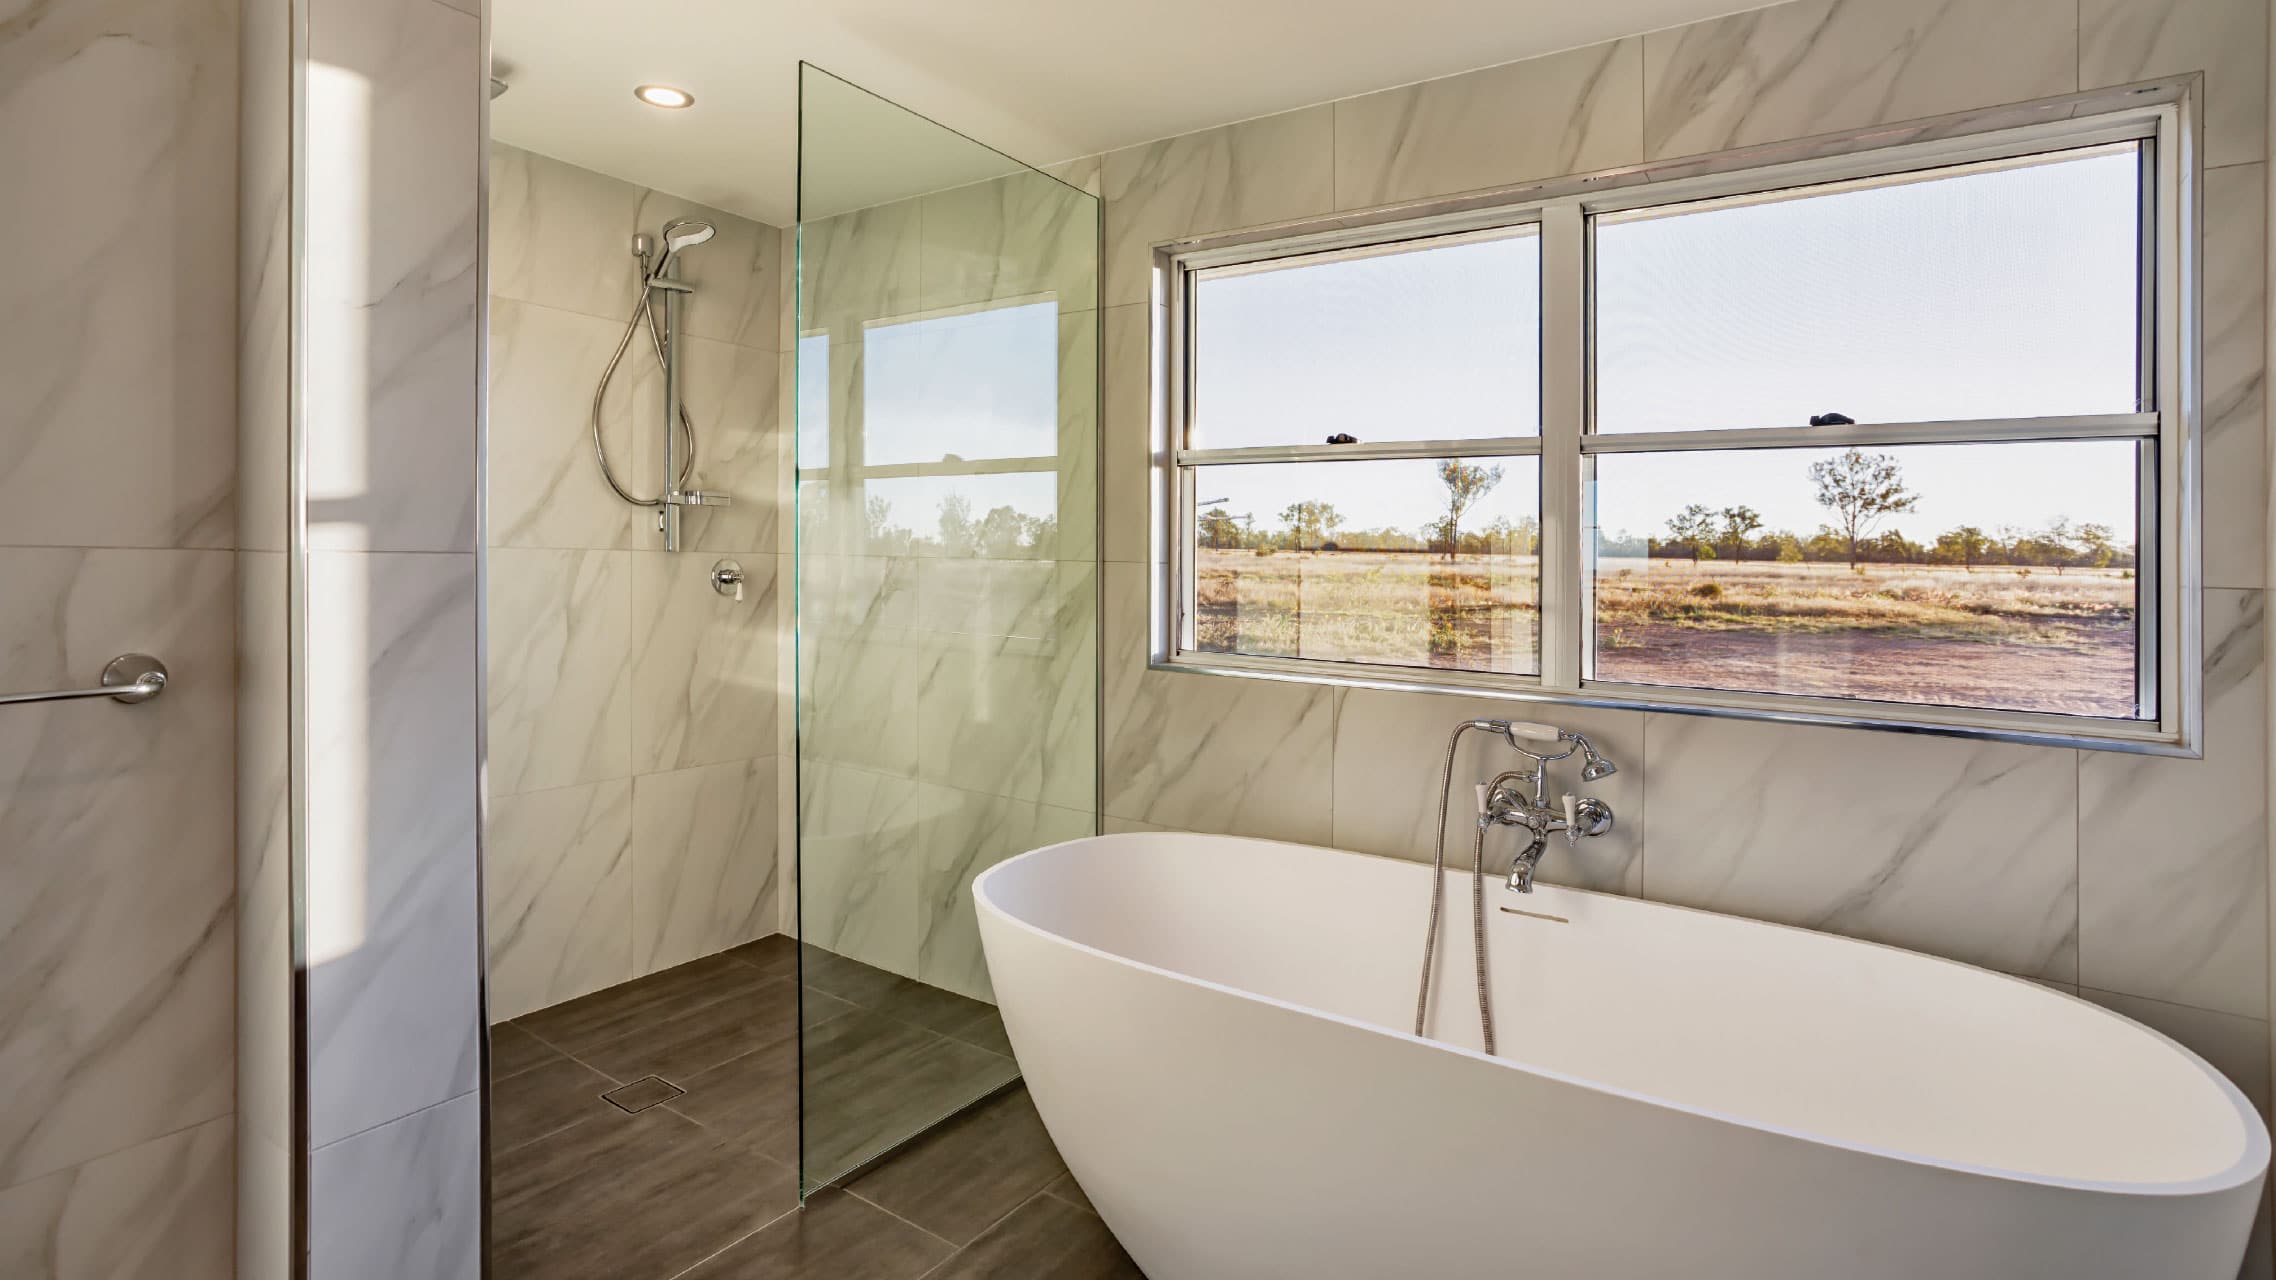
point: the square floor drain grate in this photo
(642, 1094)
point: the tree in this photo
(1693, 529)
(956, 536)
(1966, 546)
(1309, 523)
(1861, 488)
(2100, 543)
(1738, 523)
(1218, 530)
(1465, 484)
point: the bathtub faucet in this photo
(1519, 798)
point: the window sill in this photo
(2026, 728)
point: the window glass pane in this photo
(1433, 343)
(1988, 292)
(979, 384)
(1351, 562)
(1985, 575)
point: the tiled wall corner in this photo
(620, 682)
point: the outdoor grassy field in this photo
(1992, 637)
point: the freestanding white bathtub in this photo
(1216, 1033)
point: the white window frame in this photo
(2160, 114)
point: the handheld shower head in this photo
(686, 233)
(1594, 768)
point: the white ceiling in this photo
(1044, 80)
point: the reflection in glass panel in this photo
(977, 384)
(1415, 562)
(1981, 575)
(1989, 292)
(813, 409)
(1438, 342)
(947, 657)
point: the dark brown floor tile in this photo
(636, 1006)
(695, 1040)
(835, 1237)
(872, 1088)
(1071, 1191)
(775, 956)
(628, 1198)
(1044, 1237)
(984, 1029)
(930, 1007)
(528, 1106)
(513, 1051)
(969, 1171)
(753, 1098)
(846, 978)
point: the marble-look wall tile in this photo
(2235, 354)
(858, 268)
(1210, 753)
(1390, 751)
(2173, 854)
(1007, 688)
(393, 1021)
(560, 655)
(859, 661)
(402, 1199)
(860, 852)
(117, 850)
(2236, 1047)
(118, 130)
(392, 353)
(702, 663)
(1127, 444)
(962, 836)
(1571, 112)
(1076, 535)
(561, 237)
(1259, 171)
(2122, 41)
(545, 488)
(1960, 849)
(703, 852)
(159, 1210)
(1022, 237)
(558, 879)
(1820, 66)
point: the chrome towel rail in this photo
(130, 677)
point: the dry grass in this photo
(2001, 605)
(1994, 637)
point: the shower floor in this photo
(650, 1131)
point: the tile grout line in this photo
(963, 1249)
(699, 1262)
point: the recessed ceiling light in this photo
(665, 96)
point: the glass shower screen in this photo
(947, 647)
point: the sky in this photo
(2008, 292)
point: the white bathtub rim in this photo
(2250, 1165)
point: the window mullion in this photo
(1564, 379)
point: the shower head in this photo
(686, 233)
(1594, 768)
